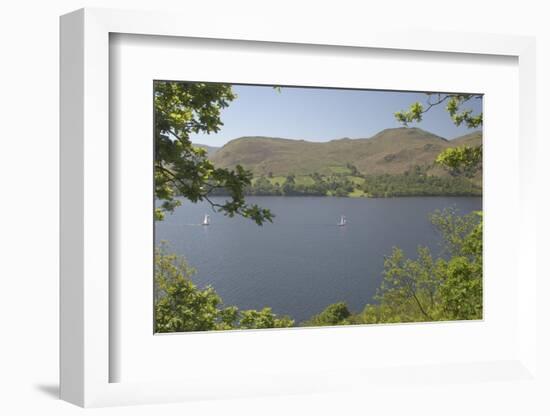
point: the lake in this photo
(303, 261)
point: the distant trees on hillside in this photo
(415, 182)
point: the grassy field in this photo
(339, 170)
(280, 180)
(357, 180)
(357, 193)
(277, 180)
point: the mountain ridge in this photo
(390, 151)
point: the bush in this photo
(335, 314)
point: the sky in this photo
(320, 114)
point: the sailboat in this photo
(206, 220)
(342, 221)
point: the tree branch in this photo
(439, 101)
(413, 294)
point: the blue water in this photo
(303, 261)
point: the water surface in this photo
(303, 261)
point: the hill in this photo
(472, 139)
(391, 151)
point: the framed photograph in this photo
(273, 213)
(278, 229)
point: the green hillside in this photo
(392, 151)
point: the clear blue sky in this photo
(318, 114)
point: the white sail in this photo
(342, 221)
(206, 220)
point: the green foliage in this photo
(428, 289)
(335, 314)
(414, 182)
(461, 233)
(252, 319)
(409, 286)
(455, 107)
(461, 291)
(183, 108)
(263, 186)
(181, 306)
(414, 113)
(352, 169)
(460, 115)
(462, 160)
(417, 182)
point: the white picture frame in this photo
(86, 353)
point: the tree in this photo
(182, 109)
(462, 276)
(179, 304)
(460, 160)
(335, 314)
(409, 286)
(352, 169)
(262, 186)
(288, 187)
(252, 319)
(428, 289)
